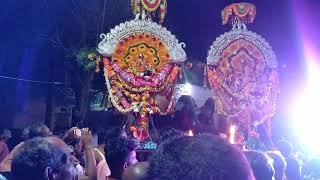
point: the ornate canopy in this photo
(242, 69)
(141, 63)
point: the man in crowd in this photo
(35, 130)
(293, 170)
(279, 165)
(168, 134)
(103, 170)
(199, 157)
(49, 159)
(120, 154)
(261, 165)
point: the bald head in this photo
(136, 172)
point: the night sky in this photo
(26, 53)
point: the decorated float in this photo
(242, 71)
(141, 62)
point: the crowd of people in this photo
(43, 155)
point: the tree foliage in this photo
(77, 26)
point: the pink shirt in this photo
(103, 170)
(4, 151)
(5, 165)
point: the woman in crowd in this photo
(5, 135)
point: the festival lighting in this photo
(232, 133)
(188, 88)
(306, 109)
(190, 133)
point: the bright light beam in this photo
(306, 110)
(188, 88)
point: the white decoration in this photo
(110, 40)
(215, 52)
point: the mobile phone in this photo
(78, 132)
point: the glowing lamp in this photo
(232, 133)
(190, 133)
(188, 88)
(305, 112)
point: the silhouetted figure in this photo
(199, 157)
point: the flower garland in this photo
(138, 75)
(243, 83)
(245, 12)
(170, 106)
(151, 7)
(238, 99)
(170, 78)
(239, 103)
(220, 108)
(113, 99)
(163, 10)
(137, 81)
(245, 93)
(165, 76)
(120, 94)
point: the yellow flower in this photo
(91, 56)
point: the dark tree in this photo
(78, 24)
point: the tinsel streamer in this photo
(205, 84)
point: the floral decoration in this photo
(152, 8)
(138, 72)
(242, 70)
(244, 12)
(245, 87)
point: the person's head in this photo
(198, 157)
(78, 147)
(136, 172)
(39, 130)
(261, 165)
(116, 132)
(102, 137)
(169, 133)
(209, 107)
(73, 138)
(186, 102)
(285, 148)
(279, 164)
(25, 134)
(120, 154)
(5, 134)
(42, 159)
